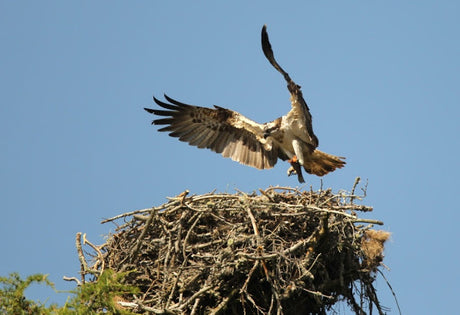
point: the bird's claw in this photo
(295, 169)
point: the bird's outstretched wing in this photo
(297, 101)
(219, 129)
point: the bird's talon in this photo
(291, 171)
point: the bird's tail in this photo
(320, 163)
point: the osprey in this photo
(225, 131)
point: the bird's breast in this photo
(294, 124)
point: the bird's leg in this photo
(297, 146)
(295, 169)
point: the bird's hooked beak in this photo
(270, 127)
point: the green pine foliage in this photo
(89, 298)
(99, 296)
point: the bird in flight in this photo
(289, 138)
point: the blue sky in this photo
(381, 79)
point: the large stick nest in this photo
(281, 251)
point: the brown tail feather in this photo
(320, 163)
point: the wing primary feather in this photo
(160, 112)
(185, 132)
(167, 128)
(164, 121)
(173, 101)
(165, 105)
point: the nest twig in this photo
(283, 251)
